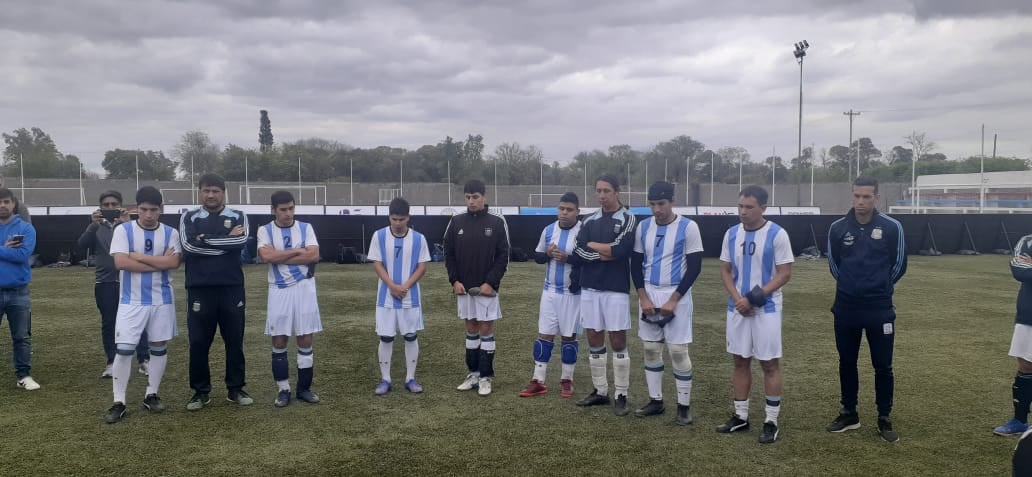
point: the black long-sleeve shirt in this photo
(866, 260)
(97, 237)
(212, 256)
(476, 248)
(1022, 272)
(617, 230)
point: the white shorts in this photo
(293, 311)
(757, 336)
(132, 320)
(559, 314)
(605, 310)
(678, 330)
(392, 321)
(1021, 342)
(480, 308)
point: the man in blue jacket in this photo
(1021, 341)
(19, 240)
(867, 256)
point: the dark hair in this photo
(148, 195)
(211, 180)
(398, 206)
(6, 193)
(571, 198)
(474, 186)
(281, 197)
(756, 192)
(611, 179)
(111, 193)
(866, 181)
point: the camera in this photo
(110, 214)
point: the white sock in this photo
(684, 391)
(540, 370)
(567, 371)
(121, 369)
(156, 372)
(742, 409)
(654, 380)
(597, 362)
(411, 357)
(621, 372)
(385, 353)
(283, 385)
(773, 411)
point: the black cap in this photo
(661, 191)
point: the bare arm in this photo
(269, 254)
(125, 263)
(308, 255)
(782, 274)
(168, 261)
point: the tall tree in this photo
(196, 149)
(900, 155)
(154, 166)
(41, 156)
(867, 153)
(264, 132)
(518, 164)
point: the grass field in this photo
(953, 375)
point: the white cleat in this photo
(28, 384)
(471, 381)
(484, 386)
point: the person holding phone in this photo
(106, 290)
(15, 274)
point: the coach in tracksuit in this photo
(212, 236)
(867, 256)
(476, 248)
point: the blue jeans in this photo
(14, 303)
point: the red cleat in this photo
(566, 388)
(535, 388)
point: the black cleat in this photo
(734, 424)
(769, 434)
(684, 415)
(620, 406)
(846, 421)
(307, 396)
(282, 399)
(653, 408)
(153, 403)
(116, 413)
(593, 399)
(885, 429)
(198, 401)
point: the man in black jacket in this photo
(867, 256)
(212, 237)
(476, 248)
(1021, 341)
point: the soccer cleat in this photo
(846, 421)
(885, 429)
(1012, 427)
(198, 401)
(566, 388)
(282, 398)
(535, 388)
(769, 434)
(307, 396)
(116, 413)
(471, 381)
(28, 384)
(383, 388)
(153, 403)
(413, 387)
(653, 408)
(620, 406)
(684, 415)
(240, 397)
(144, 367)
(484, 386)
(734, 424)
(593, 399)
(107, 372)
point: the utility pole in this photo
(849, 177)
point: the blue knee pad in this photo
(543, 350)
(159, 350)
(126, 349)
(387, 339)
(410, 337)
(569, 351)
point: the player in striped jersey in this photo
(291, 249)
(666, 261)
(559, 312)
(756, 261)
(145, 251)
(399, 255)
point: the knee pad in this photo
(543, 350)
(653, 351)
(387, 339)
(410, 337)
(159, 350)
(679, 356)
(569, 351)
(126, 349)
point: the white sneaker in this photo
(107, 372)
(485, 386)
(28, 384)
(471, 381)
(145, 368)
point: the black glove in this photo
(756, 297)
(657, 319)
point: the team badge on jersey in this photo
(460, 232)
(196, 306)
(488, 231)
(876, 233)
(227, 224)
(616, 228)
(848, 239)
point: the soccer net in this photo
(387, 195)
(303, 194)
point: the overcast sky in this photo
(563, 75)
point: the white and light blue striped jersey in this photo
(400, 256)
(665, 247)
(299, 235)
(145, 288)
(557, 274)
(753, 256)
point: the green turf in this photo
(955, 316)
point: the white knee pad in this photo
(653, 351)
(679, 356)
